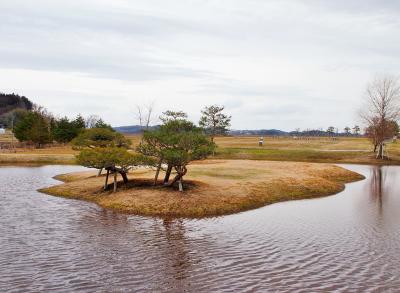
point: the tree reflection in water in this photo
(178, 256)
(377, 183)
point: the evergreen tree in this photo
(176, 143)
(40, 132)
(33, 127)
(101, 124)
(24, 125)
(214, 121)
(100, 137)
(114, 160)
(79, 122)
(172, 115)
(65, 130)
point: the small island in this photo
(213, 187)
(179, 168)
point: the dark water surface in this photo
(349, 242)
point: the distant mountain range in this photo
(269, 132)
(277, 132)
(132, 129)
(135, 129)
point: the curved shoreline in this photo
(214, 188)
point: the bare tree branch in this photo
(144, 115)
(382, 110)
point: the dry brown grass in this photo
(343, 150)
(7, 137)
(35, 159)
(323, 143)
(356, 150)
(28, 156)
(57, 154)
(212, 188)
(324, 150)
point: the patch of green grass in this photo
(227, 174)
(301, 155)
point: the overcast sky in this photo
(274, 64)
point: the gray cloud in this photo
(262, 59)
(363, 6)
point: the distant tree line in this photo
(40, 127)
(331, 131)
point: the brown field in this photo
(324, 150)
(7, 137)
(213, 188)
(320, 150)
(34, 156)
(57, 154)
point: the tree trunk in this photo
(181, 172)
(212, 140)
(98, 174)
(167, 174)
(115, 181)
(180, 184)
(124, 176)
(106, 183)
(157, 172)
(380, 154)
(176, 179)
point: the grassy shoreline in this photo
(214, 188)
(13, 159)
(56, 155)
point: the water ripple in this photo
(344, 243)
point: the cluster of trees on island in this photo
(169, 147)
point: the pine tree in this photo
(214, 121)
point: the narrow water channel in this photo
(349, 242)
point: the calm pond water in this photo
(349, 242)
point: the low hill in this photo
(9, 102)
(135, 129)
(132, 129)
(265, 132)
